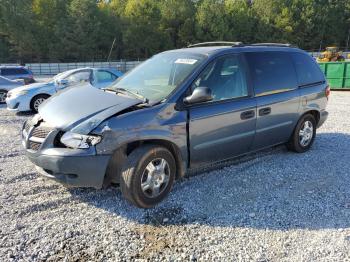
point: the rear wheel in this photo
(148, 175)
(303, 135)
(3, 94)
(37, 101)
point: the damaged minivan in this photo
(179, 110)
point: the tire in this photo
(3, 94)
(307, 123)
(137, 182)
(35, 102)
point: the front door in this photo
(224, 127)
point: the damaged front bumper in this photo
(77, 168)
(74, 167)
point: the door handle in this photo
(247, 114)
(264, 111)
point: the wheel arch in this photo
(316, 114)
(118, 157)
(35, 96)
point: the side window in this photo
(7, 71)
(307, 70)
(82, 76)
(105, 76)
(20, 71)
(225, 77)
(272, 72)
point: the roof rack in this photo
(273, 44)
(216, 43)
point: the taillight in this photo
(328, 92)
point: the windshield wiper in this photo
(123, 90)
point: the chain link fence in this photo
(50, 69)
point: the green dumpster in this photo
(337, 74)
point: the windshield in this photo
(157, 77)
(61, 75)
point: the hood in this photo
(81, 108)
(31, 87)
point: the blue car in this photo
(17, 72)
(30, 97)
(179, 111)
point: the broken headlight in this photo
(74, 140)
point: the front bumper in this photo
(75, 167)
(71, 167)
(18, 104)
(323, 118)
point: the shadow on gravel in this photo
(275, 189)
(25, 113)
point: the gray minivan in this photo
(179, 110)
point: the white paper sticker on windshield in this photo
(186, 61)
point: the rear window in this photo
(13, 71)
(272, 72)
(307, 70)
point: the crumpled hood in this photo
(31, 87)
(82, 108)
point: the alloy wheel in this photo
(306, 133)
(38, 102)
(155, 178)
(3, 96)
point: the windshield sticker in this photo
(186, 61)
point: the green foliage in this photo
(71, 30)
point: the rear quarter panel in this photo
(313, 98)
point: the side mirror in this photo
(62, 83)
(199, 95)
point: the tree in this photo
(142, 33)
(178, 21)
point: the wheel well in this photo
(315, 113)
(34, 97)
(168, 145)
(113, 171)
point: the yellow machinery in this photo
(332, 54)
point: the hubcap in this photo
(38, 102)
(306, 133)
(2, 97)
(155, 177)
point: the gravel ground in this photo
(273, 206)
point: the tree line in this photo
(84, 30)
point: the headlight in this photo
(74, 140)
(19, 93)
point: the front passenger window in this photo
(225, 77)
(105, 76)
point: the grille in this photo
(40, 132)
(34, 145)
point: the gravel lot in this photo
(272, 206)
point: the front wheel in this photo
(3, 94)
(148, 175)
(37, 101)
(303, 135)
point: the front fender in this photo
(175, 135)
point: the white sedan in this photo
(30, 97)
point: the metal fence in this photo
(55, 68)
(123, 66)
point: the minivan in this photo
(179, 110)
